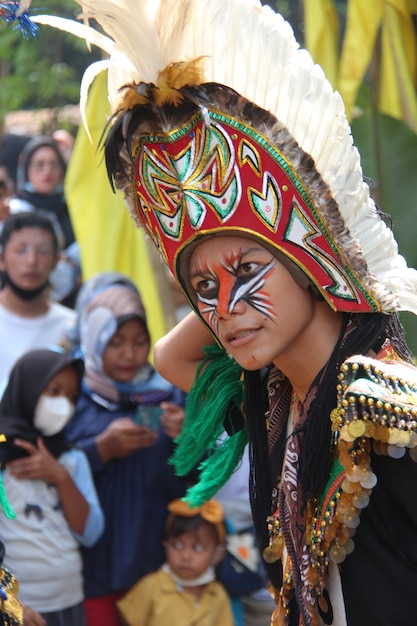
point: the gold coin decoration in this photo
(404, 438)
(278, 546)
(356, 428)
(269, 555)
(337, 553)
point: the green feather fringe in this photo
(217, 469)
(217, 391)
(4, 501)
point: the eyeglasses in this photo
(36, 249)
(40, 165)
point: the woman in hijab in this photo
(40, 184)
(119, 423)
(40, 187)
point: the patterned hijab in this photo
(99, 321)
(101, 317)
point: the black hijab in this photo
(27, 380)
(53, 204)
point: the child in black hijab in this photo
(49, 488)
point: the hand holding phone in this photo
(148, 415)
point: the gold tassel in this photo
(167, 89)
(132, 97)
(177, 75)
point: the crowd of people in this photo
(89, 426)
(257, 464)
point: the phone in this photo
(149, 415)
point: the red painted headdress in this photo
(226, 125)
(225, 177)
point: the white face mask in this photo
(52, 413)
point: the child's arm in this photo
(178, 354)
(83, 478)
(32, 618)
(41, 465)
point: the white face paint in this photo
(52, 413)
(251, 302)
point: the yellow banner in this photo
(363, 21)
(397, 96)
(108, 238)
(382, 33)
(322, 35)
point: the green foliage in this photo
(282, 6)
(388, 151)
(43, 71)
(291, 10)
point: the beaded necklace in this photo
(376, 411)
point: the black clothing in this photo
(53, 204)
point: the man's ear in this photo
(218, 554)
(1, 259)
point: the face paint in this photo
(231, 281)
(251, 302)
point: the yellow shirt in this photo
(156, 601)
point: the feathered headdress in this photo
(221, 122)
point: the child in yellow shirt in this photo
(184, 589)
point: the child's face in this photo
(127, 352)
(56, 404)
(65, 383)
(190, 554)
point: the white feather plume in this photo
(253, 50)
(24, 5)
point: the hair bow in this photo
(211, 512)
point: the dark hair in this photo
(18, 221)
(177, 525)
(11, 146)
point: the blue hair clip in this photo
(13, 15)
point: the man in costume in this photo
(236, 157)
